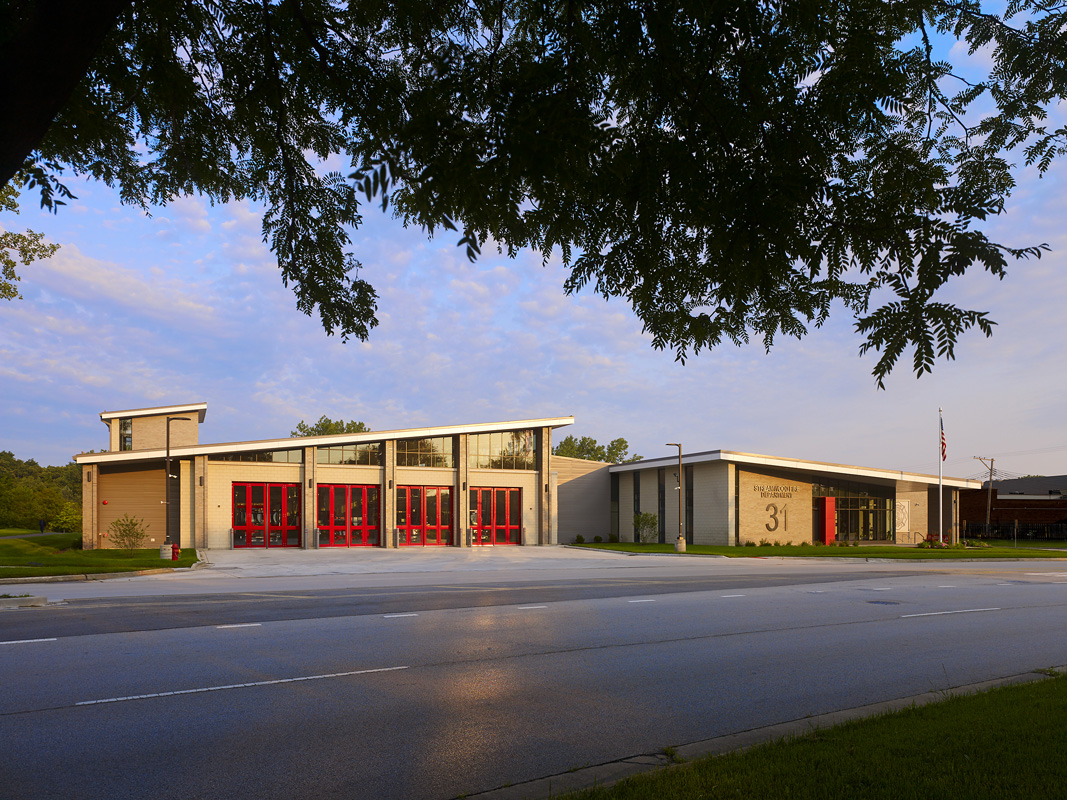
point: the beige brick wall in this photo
(90, 482)
(912, 513)
(775, 507)
(150, 433)
(713, 507)
(527, 480)
(219, 493)
(583, 498)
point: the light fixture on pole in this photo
(679, 545)
(166, 481)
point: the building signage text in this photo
(777, 490)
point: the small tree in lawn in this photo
(646, 526)
(128, 532)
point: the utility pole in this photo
(989, 496)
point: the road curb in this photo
(97, 576)
(611, 772)
(816, 559)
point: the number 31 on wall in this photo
(774, 511)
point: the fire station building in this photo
(459, 485)
(484, 484)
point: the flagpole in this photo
(940, 489)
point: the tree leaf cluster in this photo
(326, 426)
(16, 248)
(732, 170)
(30, 493)
(617, 451)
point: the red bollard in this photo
(175, 552)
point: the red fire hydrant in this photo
(175, 552)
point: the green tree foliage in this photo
(17, 248)
(616, 452)
(30, 493)
(730, 169)
(326, 426)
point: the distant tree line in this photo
(30, 493)
(617, 451)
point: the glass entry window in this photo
(424, 515)
(266, 515)
(496, 516)
(348, 516)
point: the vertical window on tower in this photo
(637, 492)
(126, 433)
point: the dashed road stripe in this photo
(28, 641)
(236, 686)
(940, 613)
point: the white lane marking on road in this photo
(1005, 584)
(817, 591)
(27, 641)
(640, 601)
(939, 613)
(242, 625)
(237, 686)
(524, 608)
(395, 616)
(731, 595)
(882, 589)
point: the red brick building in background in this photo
(1036, 507)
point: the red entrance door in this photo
(496, 516)
(424, 515)
(348, 516)
(266, 515)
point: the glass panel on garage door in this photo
(266, 514)
(424, 515)
(348, 516)
(496, 516)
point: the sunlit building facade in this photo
(460, 485)
(730, 498)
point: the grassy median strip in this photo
(815, 551)
(57, 554)
(1005, 743)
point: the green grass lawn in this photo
(1005, 743)
(55, 555)
(813, 551)
(16, 531)
(1055, 544)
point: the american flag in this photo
(944, 444)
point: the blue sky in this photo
(187, 305)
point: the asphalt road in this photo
(443, 689)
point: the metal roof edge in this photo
(316, 441)
(784, 462)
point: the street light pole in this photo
(679, 545)
(166, 482)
